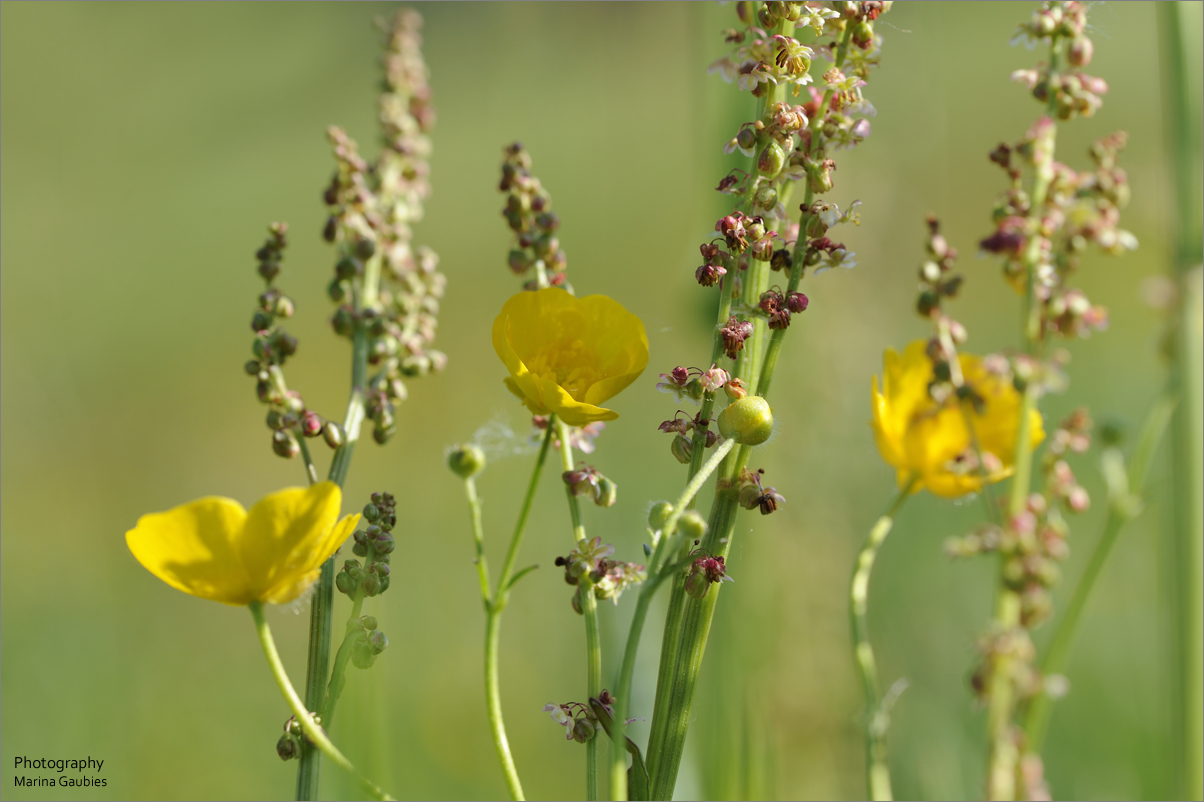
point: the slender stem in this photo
(478, 538)
(338, 675)
(495, 603)
(311, 473)
(877, 725)
(493, 704)
(312, 731)
(520, 526)
(589, 610)
(320, 614)
(1180, 44)
(618, 775)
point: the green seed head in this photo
(748, 421)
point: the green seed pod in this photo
(583, 730)
(607, 493)
(682, 449)
(692, 525)
(658, 516)
(288, 747)
(748, 421)
(466, 460)
(332, 433)
(771, 159)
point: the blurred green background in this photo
(146, 147)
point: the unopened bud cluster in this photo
(529, 214)
(608, 578)
(387, 288)
(288, 418)
(1070, 92)
(375, 544)
(367, 642)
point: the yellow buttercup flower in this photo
(929, 443)
(567, 355)
(215, 549)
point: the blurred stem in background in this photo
(1004, 754)
(877, 709)
(1180, 39)
(314, 733)
(1125, 488)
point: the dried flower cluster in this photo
(386, 286)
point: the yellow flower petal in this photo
(214, 549)
(191, 548)
(567, 355)
(932, 442)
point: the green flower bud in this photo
(368, 622)
(583, 730)
(682, 449)
(771, 159)
(348, 268)
(345, 582)
(288, 747)
(748, 421)
(658, 516)
(377, 641)
(697, 585)
(607, 493)
(362, 653)
(332, 433)
(336, 291)
(466, 460)
(371, 584)
(285, 444)
(692, 525)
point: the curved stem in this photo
(493, 704)
(589, 610)
(312, 731)
(478, 539)
(877, 724)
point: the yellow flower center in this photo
(569, 363)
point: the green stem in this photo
(520, 526)
(320, 614)
(1180, 43)
(311, 473)
(495, 603)
(478, 539)
(618, 769)
(493, 704)
(313, 732)
(877, 725)
(589, 610)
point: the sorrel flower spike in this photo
(567, 355)
(930, 441)
(214, 549)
